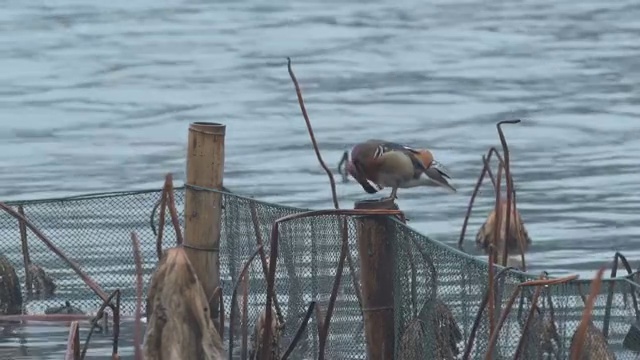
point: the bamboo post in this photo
(25, 252)
(376, 249)
(203, 209)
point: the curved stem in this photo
(313, 138)
(505, 150)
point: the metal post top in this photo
(208, 127)
(384, 203)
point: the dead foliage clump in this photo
(179, 324)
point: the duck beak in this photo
(438, 177)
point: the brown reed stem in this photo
(534, 305)
(576, 350)
(614, 273)
(232, 313)
(137, 334)
(476, 321)
(496, 332)
(332, 183)
(505, 150)
(334, 291)
(217, 292)
(163, 208)
(263, 257)
(472, 200)
(85, 278)
(244, 323)
(492, 254)
(486, 169)
(313, 138)
(73, 342)
(540, 282)
(116, 325)
(300, 331)
(25, 252)
(319, 318)
(499, 220)
(99, 315)
(172, 209)
(273, 258)
(221, 302)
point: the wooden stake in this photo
(203, 209)
(376, 249)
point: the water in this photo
(98, 97)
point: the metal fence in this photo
(438, 289)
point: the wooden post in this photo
(25, 252)
(376, 248)
(203, 209)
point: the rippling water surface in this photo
(98, 97)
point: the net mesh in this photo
(437, 290)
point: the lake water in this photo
(98, 97)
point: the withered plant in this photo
(503, 230)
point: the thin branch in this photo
(492, 254)
(581, 331)
(534, 305)
(496, 332)
(540, 282)
(263, 257)
(476, 321)
(313, 138)
(244, 321)
(486, 169)
(507, 172)
(163, 208)
(273, 258)
(472, 200)
(25, 252)
(172, 209)
(116, 326)
(334, 291)
(234, 295)
(99, 315)
(614, 273)
(86, 278)
(300, 331)
(137, 334)
(221, 312)
(319, 319)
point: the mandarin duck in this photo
(388, 164)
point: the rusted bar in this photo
(376, 249)
(203, 209)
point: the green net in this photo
(437, 290)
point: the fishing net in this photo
(438, 290)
